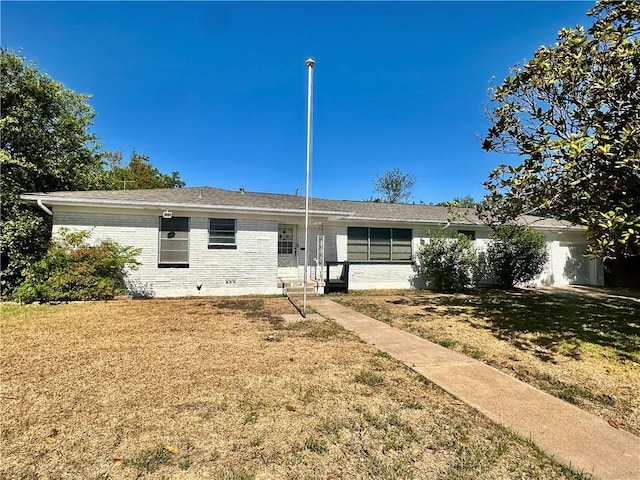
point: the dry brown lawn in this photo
(580, 345)
(221, 388)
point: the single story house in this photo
(210, 241)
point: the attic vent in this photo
(199, 193)
(241, 190)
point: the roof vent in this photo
(241, 190)
(199, 193)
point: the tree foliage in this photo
(572, 113)
(394, 187)
(460, 202)
(138, 173)
(446, 264)
(516, 255)
(72, 269)
(45, 145)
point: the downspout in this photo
(44, 207)
(553, 280)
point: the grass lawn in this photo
(221, 388)
(580, 345)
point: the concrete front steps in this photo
(294, 287)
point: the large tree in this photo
(459, 202)
(45, 145)
(138, 173)
(394, 187)
(573, 114)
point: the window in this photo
(379, 244)
(222, 233)
(366, 244)
(174, 242)
(358, 244)
(285, 240)
(470, 234)
(401, 246)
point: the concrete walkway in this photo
(574, 437)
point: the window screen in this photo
(174, 241)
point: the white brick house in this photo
(209, 241)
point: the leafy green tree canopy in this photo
(45, 145)
(460, 202)
(572, 113)
(45, 140)
(138, 173)
(394, 187)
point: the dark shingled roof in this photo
(218, 199)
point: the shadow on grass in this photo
(554, 319)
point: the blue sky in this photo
(217, 90)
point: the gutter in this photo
(179, 206)
(330, 214)
(44, 207)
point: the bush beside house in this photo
(515, 255)
(447, 264)
(72, 269)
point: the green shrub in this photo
(517, 254)
(74, 270)
(447, 264)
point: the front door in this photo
(287, 249)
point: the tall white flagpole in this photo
(309, 62)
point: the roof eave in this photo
(410, 220)
(141, 205)
(329, 214)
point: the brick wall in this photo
(251, 268)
